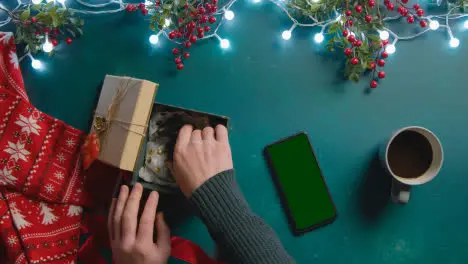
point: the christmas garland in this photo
(358, 29)
(44, 25)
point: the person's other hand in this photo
(200, 155)
(132, 246)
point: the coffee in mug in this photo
(413, 156)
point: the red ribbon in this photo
(190, 252)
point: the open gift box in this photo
(135, 135)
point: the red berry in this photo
(381, 74)
(186, 5)
(188, 44)
(212, 19)
(381, 63)
(172, 35)
(385, 42)
(391, 7)
(178, 60)
(357, 43)
(347, 51)
(200, 30)
(372, 65)
(345, 33)
(423, 23)
(368, 18)
(215, 2)
(405, 12)
(410, 19)
(354, 61)
(141, 5)
(158, 3)
(386, 2)
(130, 8)
(358, 8)
(349, 22)
(54, 42)
(348, 13)
(404, 1)
(175, 51)
(371, 3)
(57, 31)
(201, 10)
(33, 19)
(401, 9)
(420, 12)
(193, 14)
(180, 66)
(144, 11)
(384, 54)
(69, 40)
(193, 38)
(204, 19)
(191, 25)
(37, 33)
(207, 28)
(201, 34)
(46, 30)
(214, 9)
(373, 84)
(208, 6)
(351, 38)
(186, 55)
(416, 6)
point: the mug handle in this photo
(400, 192)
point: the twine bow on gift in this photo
(103, 122)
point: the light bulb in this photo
(384, 35)
(153, 39)
(36, 64)
(167, 22)
(318, 37)
(465, 24)
(390, 49)
(225, 43)
(36, 2)
(286, 34)
(454, 42)
(229, 15)
(47, 46)
(434, 24)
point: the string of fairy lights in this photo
(436, 22)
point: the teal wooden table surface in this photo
(271, 89)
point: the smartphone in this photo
(302, 188)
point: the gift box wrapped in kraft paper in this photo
(120, 122)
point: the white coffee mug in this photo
(401, 186)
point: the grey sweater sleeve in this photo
(241, 236)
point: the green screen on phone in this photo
(302, 186)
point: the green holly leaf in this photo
(25, 14)
(49, 5)
(36, 7)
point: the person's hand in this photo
(132, 246)
(200, 155)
